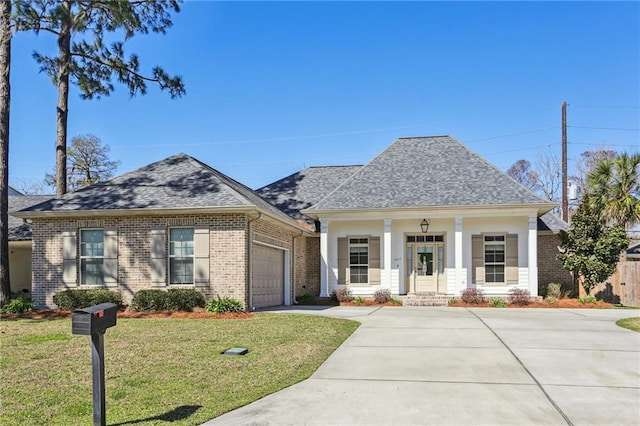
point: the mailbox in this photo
(94, 319)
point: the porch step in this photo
(425, 299)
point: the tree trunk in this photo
(64, 49)
(5, 92)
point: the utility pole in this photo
(565, 183)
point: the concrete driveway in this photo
(418, 365)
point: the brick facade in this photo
(550, 269)
(228, 244)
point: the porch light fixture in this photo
(424, 225)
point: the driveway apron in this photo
(421, 366)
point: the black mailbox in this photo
(94, 319)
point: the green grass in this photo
(157, 370)
(630, 323)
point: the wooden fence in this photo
(622, 287)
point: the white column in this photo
(461, 282)
(324, 259)
(387, 254)
(533, 255)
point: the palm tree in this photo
(615, 190)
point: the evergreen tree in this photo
(83, 58)
(591, 249)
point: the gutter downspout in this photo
(293, 285)
(249, 306)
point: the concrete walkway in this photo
(455, 366)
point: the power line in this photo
(597, 144)
(512, 134)
(603, 128)
(605, 107)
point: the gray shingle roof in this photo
(13, 191)
(18, 230)
(177, 182)
(426, 172)
(550, 222)
(303, 189)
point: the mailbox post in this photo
(94, 321)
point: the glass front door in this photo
(424, 267)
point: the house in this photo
(176, 223)
(20, 241)
(427, 215)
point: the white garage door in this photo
(268, 276)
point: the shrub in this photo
(395, 301)
(519, 297)
(224, 305)
(554, 290)
(77, 299)
(588, 299)
(453, 301)
(150, 301)
(17, 306)
(552, 300)
(358, 300)
(342, 294)
(382, 296)
(305, 299)
(184, 299)
(472, 295)
(497, 303)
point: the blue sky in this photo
(273, 87)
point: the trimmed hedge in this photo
(77, 299)
(174, 299)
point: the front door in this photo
(425, 266)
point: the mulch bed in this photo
(60, 313)
(562, 303)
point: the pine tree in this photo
(5, 92)
(83, 57)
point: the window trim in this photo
(359, 243)
(82, 257)
(485, 243)
(171, 256)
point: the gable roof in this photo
(305, 188)
(14, 192)
(550, 222)
(177, 183)
(18, 229)
(427, 172)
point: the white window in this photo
(181, 256)
(494, 258)
(91, 256)
(358, 260)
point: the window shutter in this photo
(158, 257)
(201, 251)
(343, 260)
(477, 259)
(69, 252)
(511, 275)
(374, 260)
(110, 264)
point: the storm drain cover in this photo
(235, 351)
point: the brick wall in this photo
(227, 241)
(550, 269)
(312, 260)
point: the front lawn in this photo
(630, 323)
(157, 370)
